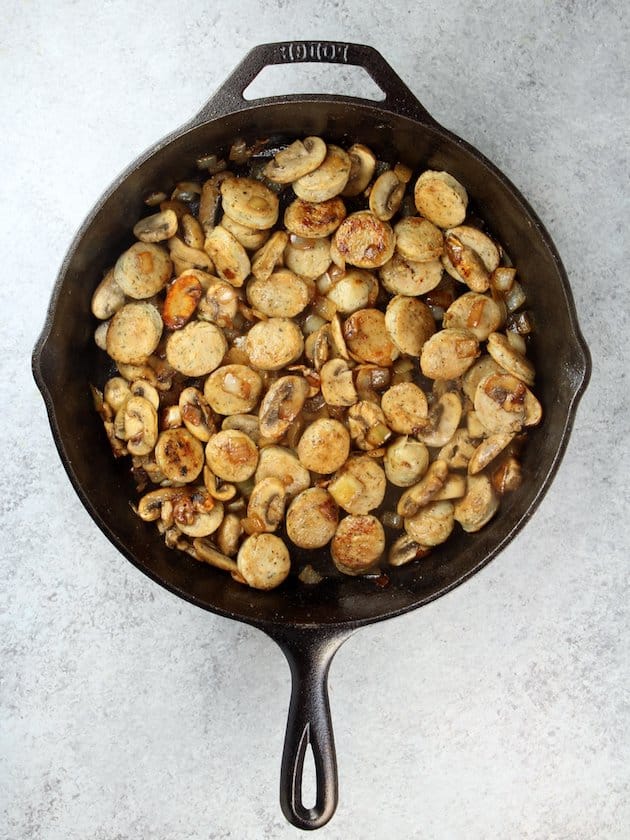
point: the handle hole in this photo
(309, 779)
(311, 77)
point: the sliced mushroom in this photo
(404, 550)
(507, 357)
(362, 166)
(505, 404)
(140, 425)
(284, 464)
(265, 509)
(232, 455)
(307, 256)
(406, 277)
(108, 297)
(479, 504)
(367, 338)
(247, 423)
(142, 388)
(314, 220)
(453, 488)
(100, 335)
(229, 534)
(405, 408)
(281, 405)
(142, 270)
(197, 349)
(282, 295)
(191, 232)
(363, 240)
(207, 553)
(312, 518)
(219, 305)
(116, 392)
(186, 258)
(359, 486)
(358, 544)
(487, 451)
(249, 202)
(337, 384)
(354, 289)
(406, 461)
(273, 344)
(484, 366)
(367, 425)
(157, 227)
(409, 323)
(386, 195)
(328, 180)
(179, 455)
(458, 450)
(134, 333)
(369, 380)
(150, 505)
(418, 239)
(448, 354)
(420, 494)
(508, 476)
(263, 561)
(201, 523)
(131, 372)
(196, 414)
(444, 418)
(432, 524)
(218, 489)
(482, 245)
(181, 300)
(468, 265)
(229, 256)
(475, 312)
(440, 198)
(324, 446)
(296, 160)
(250, 238)
(210, 200)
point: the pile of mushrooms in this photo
(314, 348)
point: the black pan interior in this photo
(67, 361)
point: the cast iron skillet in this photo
(309, 623)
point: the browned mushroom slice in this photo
(181, 300)
(250, 238)
(273, 344)
(440, 198)
(406, 277)
(200, 522)
(232, 455)
(265, 509)
(467, 263)
(185, 258)
(312, 219)
(205, 552)
(406, 461)
(448, 354)
(233, 389)
(263, 561)
(386, 195)
(432, 524)
(116, 392)
(157, 227)
(210, 200)
(324, 446)
(133, 333)
(444, 418)
(484, 366)
(140, 425)
(405, 550)
(281, 405)
(284, 464)
(505, 355)
(367, 338)
(418, 239)
(420, 494)
(337, 384)
(219, 304)
(143, 270)
(409, 323)
(312, 518)
(196, 414)
(229, 256)
(359, 486)
(484, 247)
(249, 202)
(270, 255)
(179, 455)
(367, 425)
(487, 451)
(505, 404)
(358, 544)
(479, 504)
(405, 407)
(362, 166)
(197, 349)
(281, 295)
(142, 388)
(364, 240)
(108, 297)
(229, 534)
(328, 180)
(296, 160)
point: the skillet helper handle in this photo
(229, 97)
(309, 654)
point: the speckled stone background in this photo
(499, 711)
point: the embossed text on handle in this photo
(314, 51)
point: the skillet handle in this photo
(229, 97)
(309, 653)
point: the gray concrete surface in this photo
(501, 710)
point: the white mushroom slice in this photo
(367, 338)
(386, 195)
(418, 239)
(458, 451)
(353, 290)
(307, 256)
(229, 534)
(364, 240)
(453, 488)
(314, 220)
(487, 451)
(142, 388)
(284, 464)
(296, 160)
(207, 553)
(143, 270)
(509, 358)
(281, 405)
(362, 166)
(210, 199)
(358, 544)
(191, 232)
(186, 258)
(479, 504)
(475, 312)
(134, 332)
(116, 392)
(150, 505)
(281, 295)
(337, 341)
(420, 494)
(367, 425)
(157, 227)
(179, 455)
(233, 389)
(404, 550)
(232, 455)
(337, 384)
(312, 518)
(484, 247)
(468, 265)
(247, 423)
(328, 180)
(505, 404)
(249, 202)
(108, 297)
(318, 347)
(229, 256)
(132, 372)
(324, 446)
(440, 198)
(265, 509)
(100, 335)
(217, 488)
(406, 461)
(483, 367)
(140, 425)
(405, 407)
(406, 277)
(202, 523)
(448, 354)
(196, 414)
(250, 238)
(263, 561)
(444, 418)
(409, 323)
(197, 349)
(359, 486)
(182, 297)
(432, 524)
(270, 255)
(273, 344)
